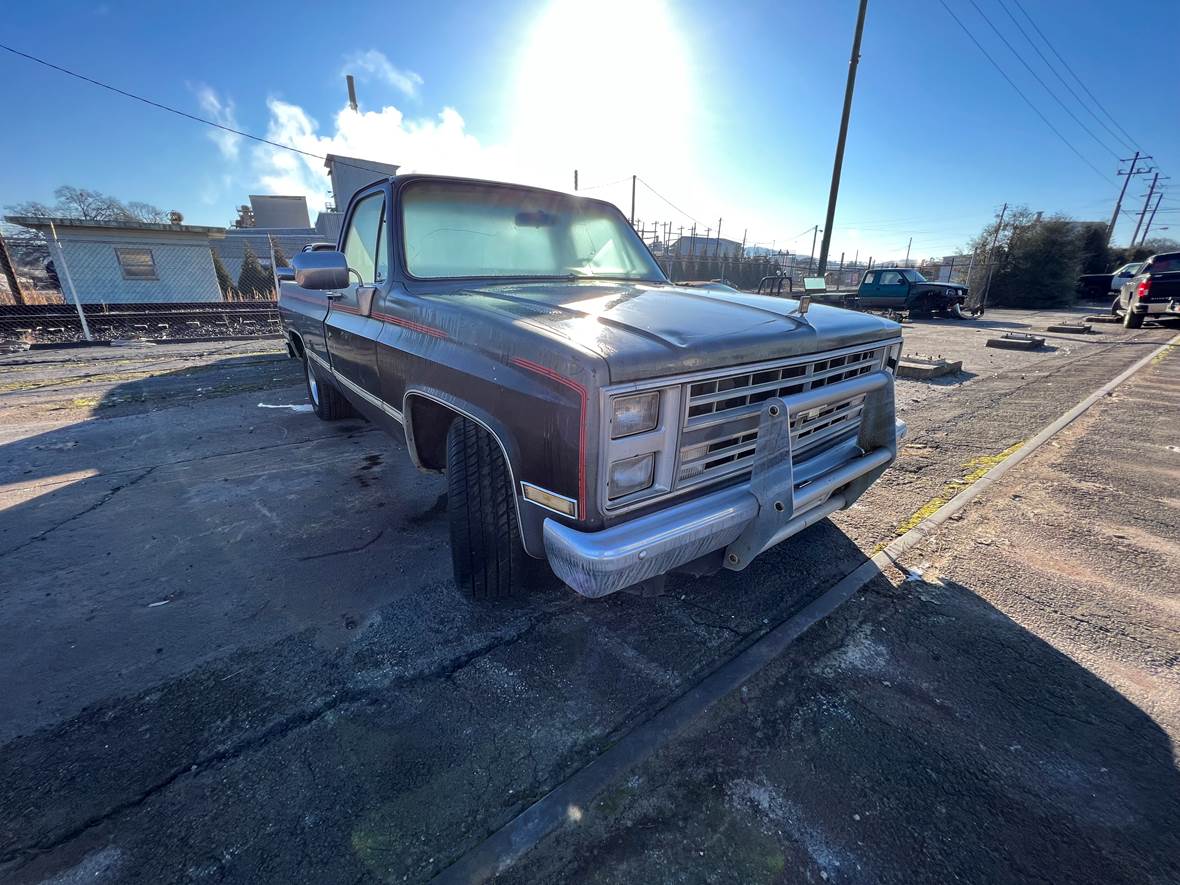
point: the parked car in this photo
(1099, 285)
(586, 411)
(1154, 290)
(903, 288)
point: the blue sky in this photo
(727, 110)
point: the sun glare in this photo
(604, 86)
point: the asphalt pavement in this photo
(233, 651)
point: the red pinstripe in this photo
(581, 391)
(410, 324)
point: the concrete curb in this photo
(564, 803)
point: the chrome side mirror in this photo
(320, 270)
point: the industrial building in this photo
(122, 262)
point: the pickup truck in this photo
(1153, 291)
(1100, 285)
(903, 288)
(586, 411)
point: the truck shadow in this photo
(958, 735)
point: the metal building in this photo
(124, 262)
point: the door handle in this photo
(333, 296)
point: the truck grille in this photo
(721, 418)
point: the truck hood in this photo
(649, 330)
(936, 284)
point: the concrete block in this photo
(1073, 328)
(1017, 341)
(923, 367)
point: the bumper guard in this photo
(779, 499)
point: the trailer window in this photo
(137, 264)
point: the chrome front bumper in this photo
(778, 500)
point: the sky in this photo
(725, 111)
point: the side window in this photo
(890, 278)
(361, 245)
(871, 278)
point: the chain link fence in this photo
(76, 284)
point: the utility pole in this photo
(1147, 202)
(853, 61)
(632, 199)
(575, 179)
(1158, 199)
(717, 246)
(991, 264)
(18, 297)
(810, 260)
(1123, 192)
(907, 251)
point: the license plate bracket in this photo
(772, 482)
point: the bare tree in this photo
(90, 205)
(140, 211)
(80, 202)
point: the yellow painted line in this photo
(977, 469)
(1167, 351)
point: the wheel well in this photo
(296, 344)
(429, 422)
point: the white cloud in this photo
(438, 144)
(219, 111)
(373, 64)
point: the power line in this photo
(180, 113)
(604, 184)
(1019, 92)
(1020, 58)
(666, 200)
(1053, 49)
(1064, 83)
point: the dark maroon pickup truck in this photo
(586, 411)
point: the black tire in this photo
(1132, 320)
(327, 402)
(486, 550)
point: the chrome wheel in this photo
(313, 387)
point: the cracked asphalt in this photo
(232, 650)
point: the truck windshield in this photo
(913, 276)
(467, 229)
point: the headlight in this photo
(631, 475)
(634, 414)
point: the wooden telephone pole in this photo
(853, 61)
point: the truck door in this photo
(867, 292)
(349, 332)
(891, 289)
